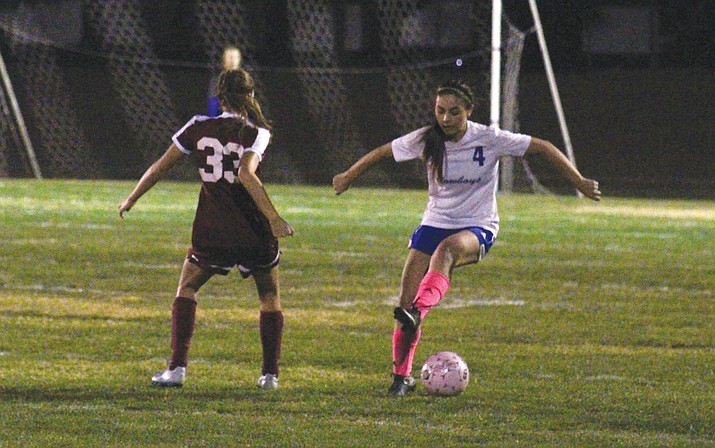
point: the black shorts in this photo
(221, 261)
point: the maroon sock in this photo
(183, 315)
(271, 329)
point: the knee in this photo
(268, 294)
(184, 291)
(270, 301)
(188, 289)
(449, 251)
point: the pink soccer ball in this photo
(444, 373)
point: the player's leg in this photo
(404, 342)
(415, 268)
(463, 247)
(270, 325)
(183, 316)
(423, 243)
(459, 249)
(456, 249)
(193, 277)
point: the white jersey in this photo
(467, 196)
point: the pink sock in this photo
(404, 344)
(433, 287)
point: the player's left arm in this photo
(157, 171)
(547, 150)
(247, 176)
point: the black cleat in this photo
(402, 385)
(410, 319)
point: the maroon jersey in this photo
(226, 218)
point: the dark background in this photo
(636, 78)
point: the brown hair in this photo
(434, 138)
(235, 93)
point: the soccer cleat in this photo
(401, 386)
(410, 319)
(268, 381)
(170, 378)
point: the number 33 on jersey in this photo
(212, 143)
(220, 160)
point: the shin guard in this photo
(183, 315)
(433, 287)
(271, 330)
(404, 345)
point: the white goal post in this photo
(496, 83)
(22, 129)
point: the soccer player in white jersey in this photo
(461, 222)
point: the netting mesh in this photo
(135, 72)
(513, 178)
(408, 88)
(410, 81)
(313, 45)
(49, 102)
(108, 104)
(223, 23)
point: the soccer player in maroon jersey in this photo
(235, 224)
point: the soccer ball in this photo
(445, 373)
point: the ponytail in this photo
(235, 93)
(433, 153)
(254, 112)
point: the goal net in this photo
(103, 89)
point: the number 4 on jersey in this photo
(479, 155)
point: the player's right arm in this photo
(153, 174)
(253, 185)
(342, 181)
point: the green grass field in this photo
(588, 325)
